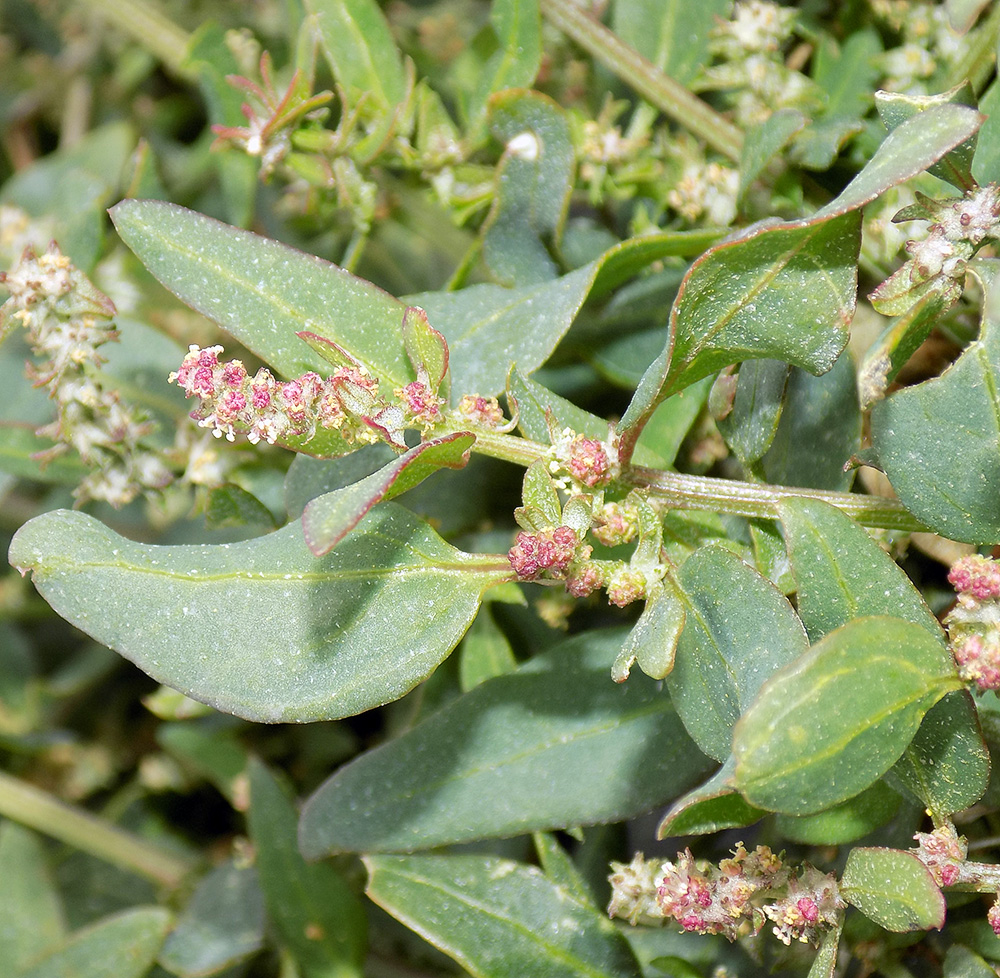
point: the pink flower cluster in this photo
(945, 853)
(974, 623)
(736, 898)
(548, 552)
(271, 410)
(615, 523)
(975, 577)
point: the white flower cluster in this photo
(67, 320)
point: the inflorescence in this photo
(68, 320)
(974, 622)
(737, 898)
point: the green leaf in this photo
(852, 819)
(895, 108)
(752, 419)
(670, 424)
(782, 291)
(909, 149)
(711, 807)
(893, 888)
(359, 45)
(896, 344)
(652, 643)
(842, 573)
(498, 918)
(671, 34)
(222, 924)
(986, 162)
(327, 519)
(208, 752)
(740, 629)
(819, 430)
(122, 946)
(947, 764)
(210, 58)
(263, 292)
(825, 963)
(532, 186)
(828, 725)
(489, 327)
(847, 73)
(263, 628)
(484, 654)
(960, 962)
(517, 25)
(31, 914)
(476, 768)
(939, 442)
(316, 914)
(766, 141)
(231, 505)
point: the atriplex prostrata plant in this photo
(775, 672)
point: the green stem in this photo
(153, 29)
(669, 96)
(749, 499)
(38, 810)
(678, 491)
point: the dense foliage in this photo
(491, 424)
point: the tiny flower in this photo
(482, 411)
(420, 403)
(615, 523)
(993, 916)
(625, 586)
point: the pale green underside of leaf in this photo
(552, 745)
(263, 628)
(893, 888)
(498, 918)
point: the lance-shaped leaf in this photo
(893, 888)
(653, 639)
(533, 183)
(427, 350)
(222, 924)
(359, 45)
(329, 518)
(939, 442)
(740, 629)
(778, 291)
(752, 259)
(554, 744)
(265, 629)
(828, 725)
(895, 108)
(317, 915)
(842, 573)
(517, 25)
(498, 918)
(124, 945)
(31, 912)
(263, 292)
